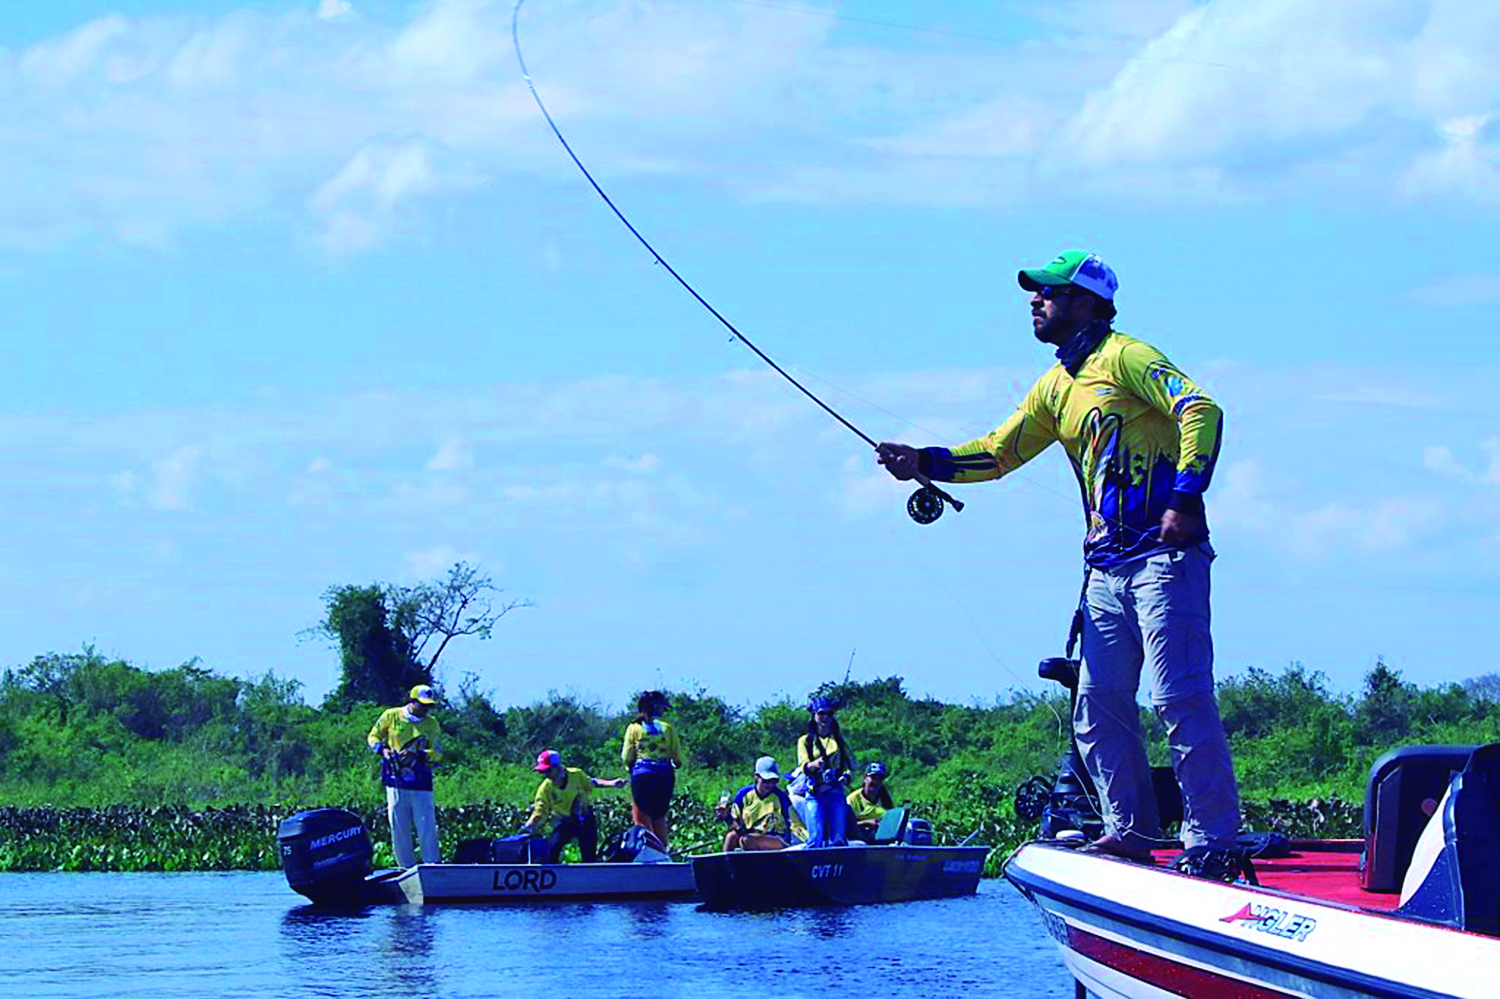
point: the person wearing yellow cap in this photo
(1143, 439)
(408, 739)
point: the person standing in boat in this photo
(760, 813)
(1143, 440)
(408, 739)
(562, 811)
(869, 803)
(653, 754)
(823, 766)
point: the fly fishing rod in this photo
(926, 504)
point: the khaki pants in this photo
(408, 808)
(1154, 614)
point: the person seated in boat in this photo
(823, 766)
(868, 804)
(562, 811)
(653, 754)
(760, 813)
(408, 739)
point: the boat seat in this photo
(892, 828)
(1402, 793)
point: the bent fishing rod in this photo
(926, 504)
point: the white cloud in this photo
(56, 63)
(360, 202)
(1468, 164)
(1460, 290)
(640, 464)
(1440, 458)
(451, 456)
(137, 129)
(1384, 527)
(174, 476)
(434, 563)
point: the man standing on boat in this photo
(407, 739)
(1143, 440)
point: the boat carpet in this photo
(1325, 870)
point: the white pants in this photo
(405, 809)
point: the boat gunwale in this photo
(1031, 883)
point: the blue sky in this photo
(305, 293)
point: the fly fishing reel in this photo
(927, 504)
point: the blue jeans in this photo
(827, 817)
(1154, 614)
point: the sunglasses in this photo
(1050, 291)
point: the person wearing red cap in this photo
(1143, 440)
(408, 740)
(561, 810)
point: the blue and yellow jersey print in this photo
(1140, 435)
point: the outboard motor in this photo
(326, 854)
(1454, 877)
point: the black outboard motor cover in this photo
(326, 854)
(1454, 878)
(1401, 795)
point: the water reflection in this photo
(829, 924)
(199, 935)
(650, 921)
(327, 949)
(409, 952)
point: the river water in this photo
(247, 934)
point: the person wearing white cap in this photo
(408, 740)
(760, 814)
(1143, 440)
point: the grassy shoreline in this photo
(125, 838)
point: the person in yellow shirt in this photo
(760, 813)
(870, 802)
(561, 810)
(823, 765)
(1143, 439)
(653, 753)
(408, 740)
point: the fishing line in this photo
(926, 504)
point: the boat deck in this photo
(1327, 870)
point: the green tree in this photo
(1385, 712)
(391, 637)
(375, 663)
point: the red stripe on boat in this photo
(1164, 973)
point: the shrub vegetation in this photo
(107, 766)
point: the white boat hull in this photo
(1132, 931)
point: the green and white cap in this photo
(1075, 267)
